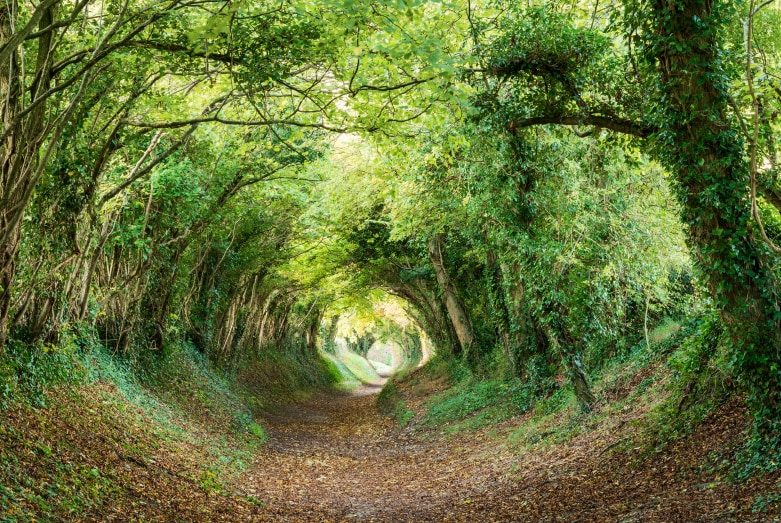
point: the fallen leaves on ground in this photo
(335, 459)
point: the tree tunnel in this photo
(371, 340)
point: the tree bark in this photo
(19, 150)
(701, 147)
(565, 344)
(427, 309)
(455, 307)
(9, 92)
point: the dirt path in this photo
(336, 459)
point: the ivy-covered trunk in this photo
(312, 329)
(412, 347)
(329, 335)
(568, 347)
(429, 312)
(364, 343)
(455, 307)
(704, 150)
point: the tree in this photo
(678, 98)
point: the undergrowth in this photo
(276, 378)
(346, 379)
(57, 398)
(474, 402)
(700, 379)
(359, 366)
(390, 403)
(678, 376)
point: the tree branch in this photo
(226, 121)
(619, 125)
(385, 88)
(17, 38)
(77, 9)
(772, 196)
(178, 48)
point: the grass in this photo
(36, 483)
(347, 380)
(276, 379)
(471, 402)
(353, 370)
(488, 400)
(359, 366)
(53, 461)
(390, 403)
(175, 404)
(381, 368)
(668, 328)
(636, 379)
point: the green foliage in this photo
(182, 377)
(341, 375)
(580, 67)
(212, 187)
(359, 367)
(70, 489)
(277, 378)
(210, 480)
(555, 402)
(708, 153)
(700, 376)
(257, 431)
(28, 371)
(390, 403)
(768, 503)
(173, 396)
(488, 401)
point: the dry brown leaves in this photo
(335, 459)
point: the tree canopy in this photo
(526, 187)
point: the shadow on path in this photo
(335, 458)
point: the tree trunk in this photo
(523, 334)
(19, 150)
(329, 343)
(429, 313)
(455, 307)
(700, 145)
(563, 343)
(365, 343)
(9, 94)
(502, 310)
(312, 330)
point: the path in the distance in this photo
(336, 459)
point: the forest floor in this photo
(335, 458)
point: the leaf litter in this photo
(334, 458)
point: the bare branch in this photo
(619, 125)
(385, 88)
(226, 121)
(16, 40)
